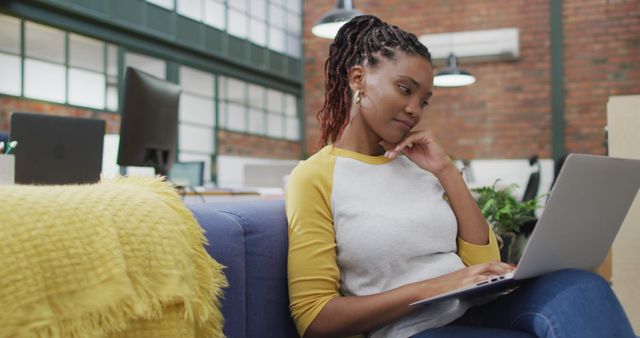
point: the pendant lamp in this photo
(453, 76)
(329, 24)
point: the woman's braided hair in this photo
(358, 42)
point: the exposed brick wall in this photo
(11, 104)
(231, 143)
(507, 112)
(602, 59)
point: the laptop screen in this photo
(57, 150)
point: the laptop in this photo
(56, 149)
(585, 210)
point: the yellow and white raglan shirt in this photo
(361, 225)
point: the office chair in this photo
(186, 176)
(533, 184)
(531, 191)
(557, 165)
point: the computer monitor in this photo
(149, 122)
(57, 149)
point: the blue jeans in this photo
(563, 304)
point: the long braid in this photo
(358, 42)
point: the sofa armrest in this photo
(265, 230)
(227, 246)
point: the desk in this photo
(222, 195)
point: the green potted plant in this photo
(511, 220)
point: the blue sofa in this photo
(250, 239)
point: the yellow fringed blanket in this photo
(121, 258)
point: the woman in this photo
(371, 231)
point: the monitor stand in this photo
(158, 158)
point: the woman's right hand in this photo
(465, 277)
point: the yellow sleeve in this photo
(473, 254)
(313, 273)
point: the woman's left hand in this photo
(420, 147)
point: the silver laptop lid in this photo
(586, 208)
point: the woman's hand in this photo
(464, 277)
(420, 147)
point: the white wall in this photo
(110, 167)
(623, 121)
(232, 171)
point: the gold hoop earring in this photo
(357, 95)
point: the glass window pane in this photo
(240, 5)
(236, 90)
(290, 105)
(214, 14)
(274, 125)
(86, 88)
(222, 82)
(86, 53)
(274, 101)
(258, 9)
(11, 80)
(293, 23)
(44, 80)
(293, 129)
(112, 98)
(294, 5)
(222, 114)
(44, 42)
(279, 2)
(112, 59)
(112, 80)
(277, 16)
(277, 39)
(196, 109)
(236, 117)
(237, 23)
(195, 138)
(293, 45)
(256, 96)
(112, 92)
(190, 8)
(9, 34)
(256, 121)
(168, 4)
(190, 157)
(258, 33)
(196, 81)
(153, 66)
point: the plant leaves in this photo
(502, 210)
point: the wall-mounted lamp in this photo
(329, 24)
(452, 75)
